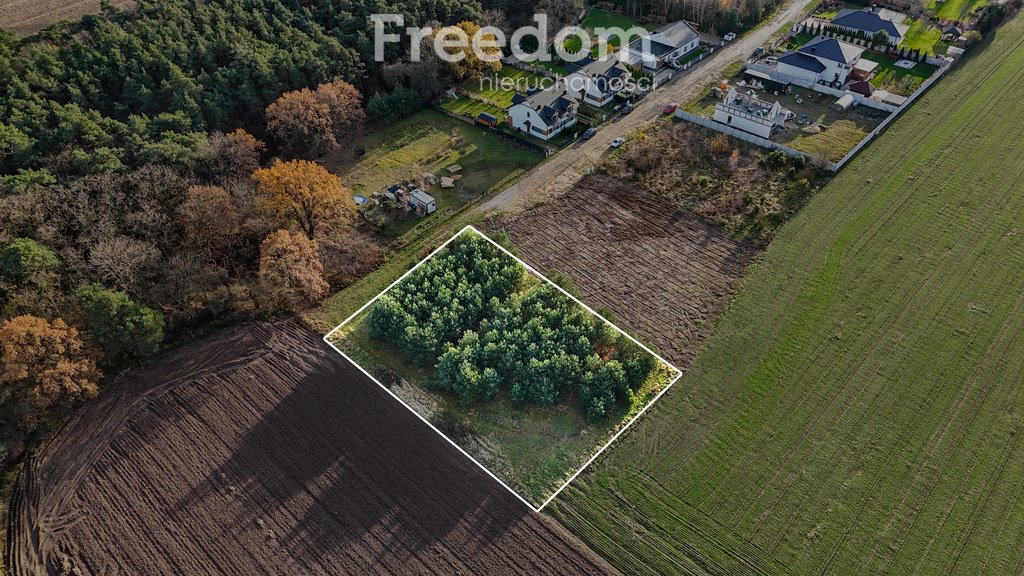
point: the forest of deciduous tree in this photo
(489, 327)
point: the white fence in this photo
(748, 137)
(892, 117)
(832, 166)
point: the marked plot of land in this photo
(662, 271)
(512, 369)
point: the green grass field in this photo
(859, 409)
(955, 9)
(430, 142)
(597, 18)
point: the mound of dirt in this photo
(262, 451)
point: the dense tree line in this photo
(719, 16)
(125, 89)
(488, 328)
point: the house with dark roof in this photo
(543, 113)
(824, 60)
(871, 21)
(666, 44)
(596, 81)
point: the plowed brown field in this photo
(662, 271)
(29, 16)
(262, 451)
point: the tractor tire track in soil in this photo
(262, 451)
(662, 271)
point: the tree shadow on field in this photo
(335, 468)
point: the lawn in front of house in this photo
(891, 77)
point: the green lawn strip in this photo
(856, 410)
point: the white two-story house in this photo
(596, 81)
(544, 113)
(666, 44)
(824, 60)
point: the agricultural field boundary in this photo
(621, 431)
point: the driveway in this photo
(555, 176)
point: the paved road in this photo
(560, 172)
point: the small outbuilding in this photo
(861, 87)
(486, 119)
(844, 102)
(422, 202)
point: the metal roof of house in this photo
(802, 61)
(677, 34)
(831, 49)
(868, 21)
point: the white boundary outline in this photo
(679, 373)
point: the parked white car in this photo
(618, 142)
(729, 37)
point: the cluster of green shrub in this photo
(472, 312)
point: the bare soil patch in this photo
(26, 17)
(662, 271)
(262, 451)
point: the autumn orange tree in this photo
(472, 66)
(312, 122)
(45, 368)
(290, 268)
(302, 192)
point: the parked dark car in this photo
(589, 132)
(627, 108)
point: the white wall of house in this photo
(683, 50)
(524, 118)
(760, 126)
(790, 70)
(583, 87)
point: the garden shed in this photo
(422, 202)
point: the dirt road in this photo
(560, 172)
